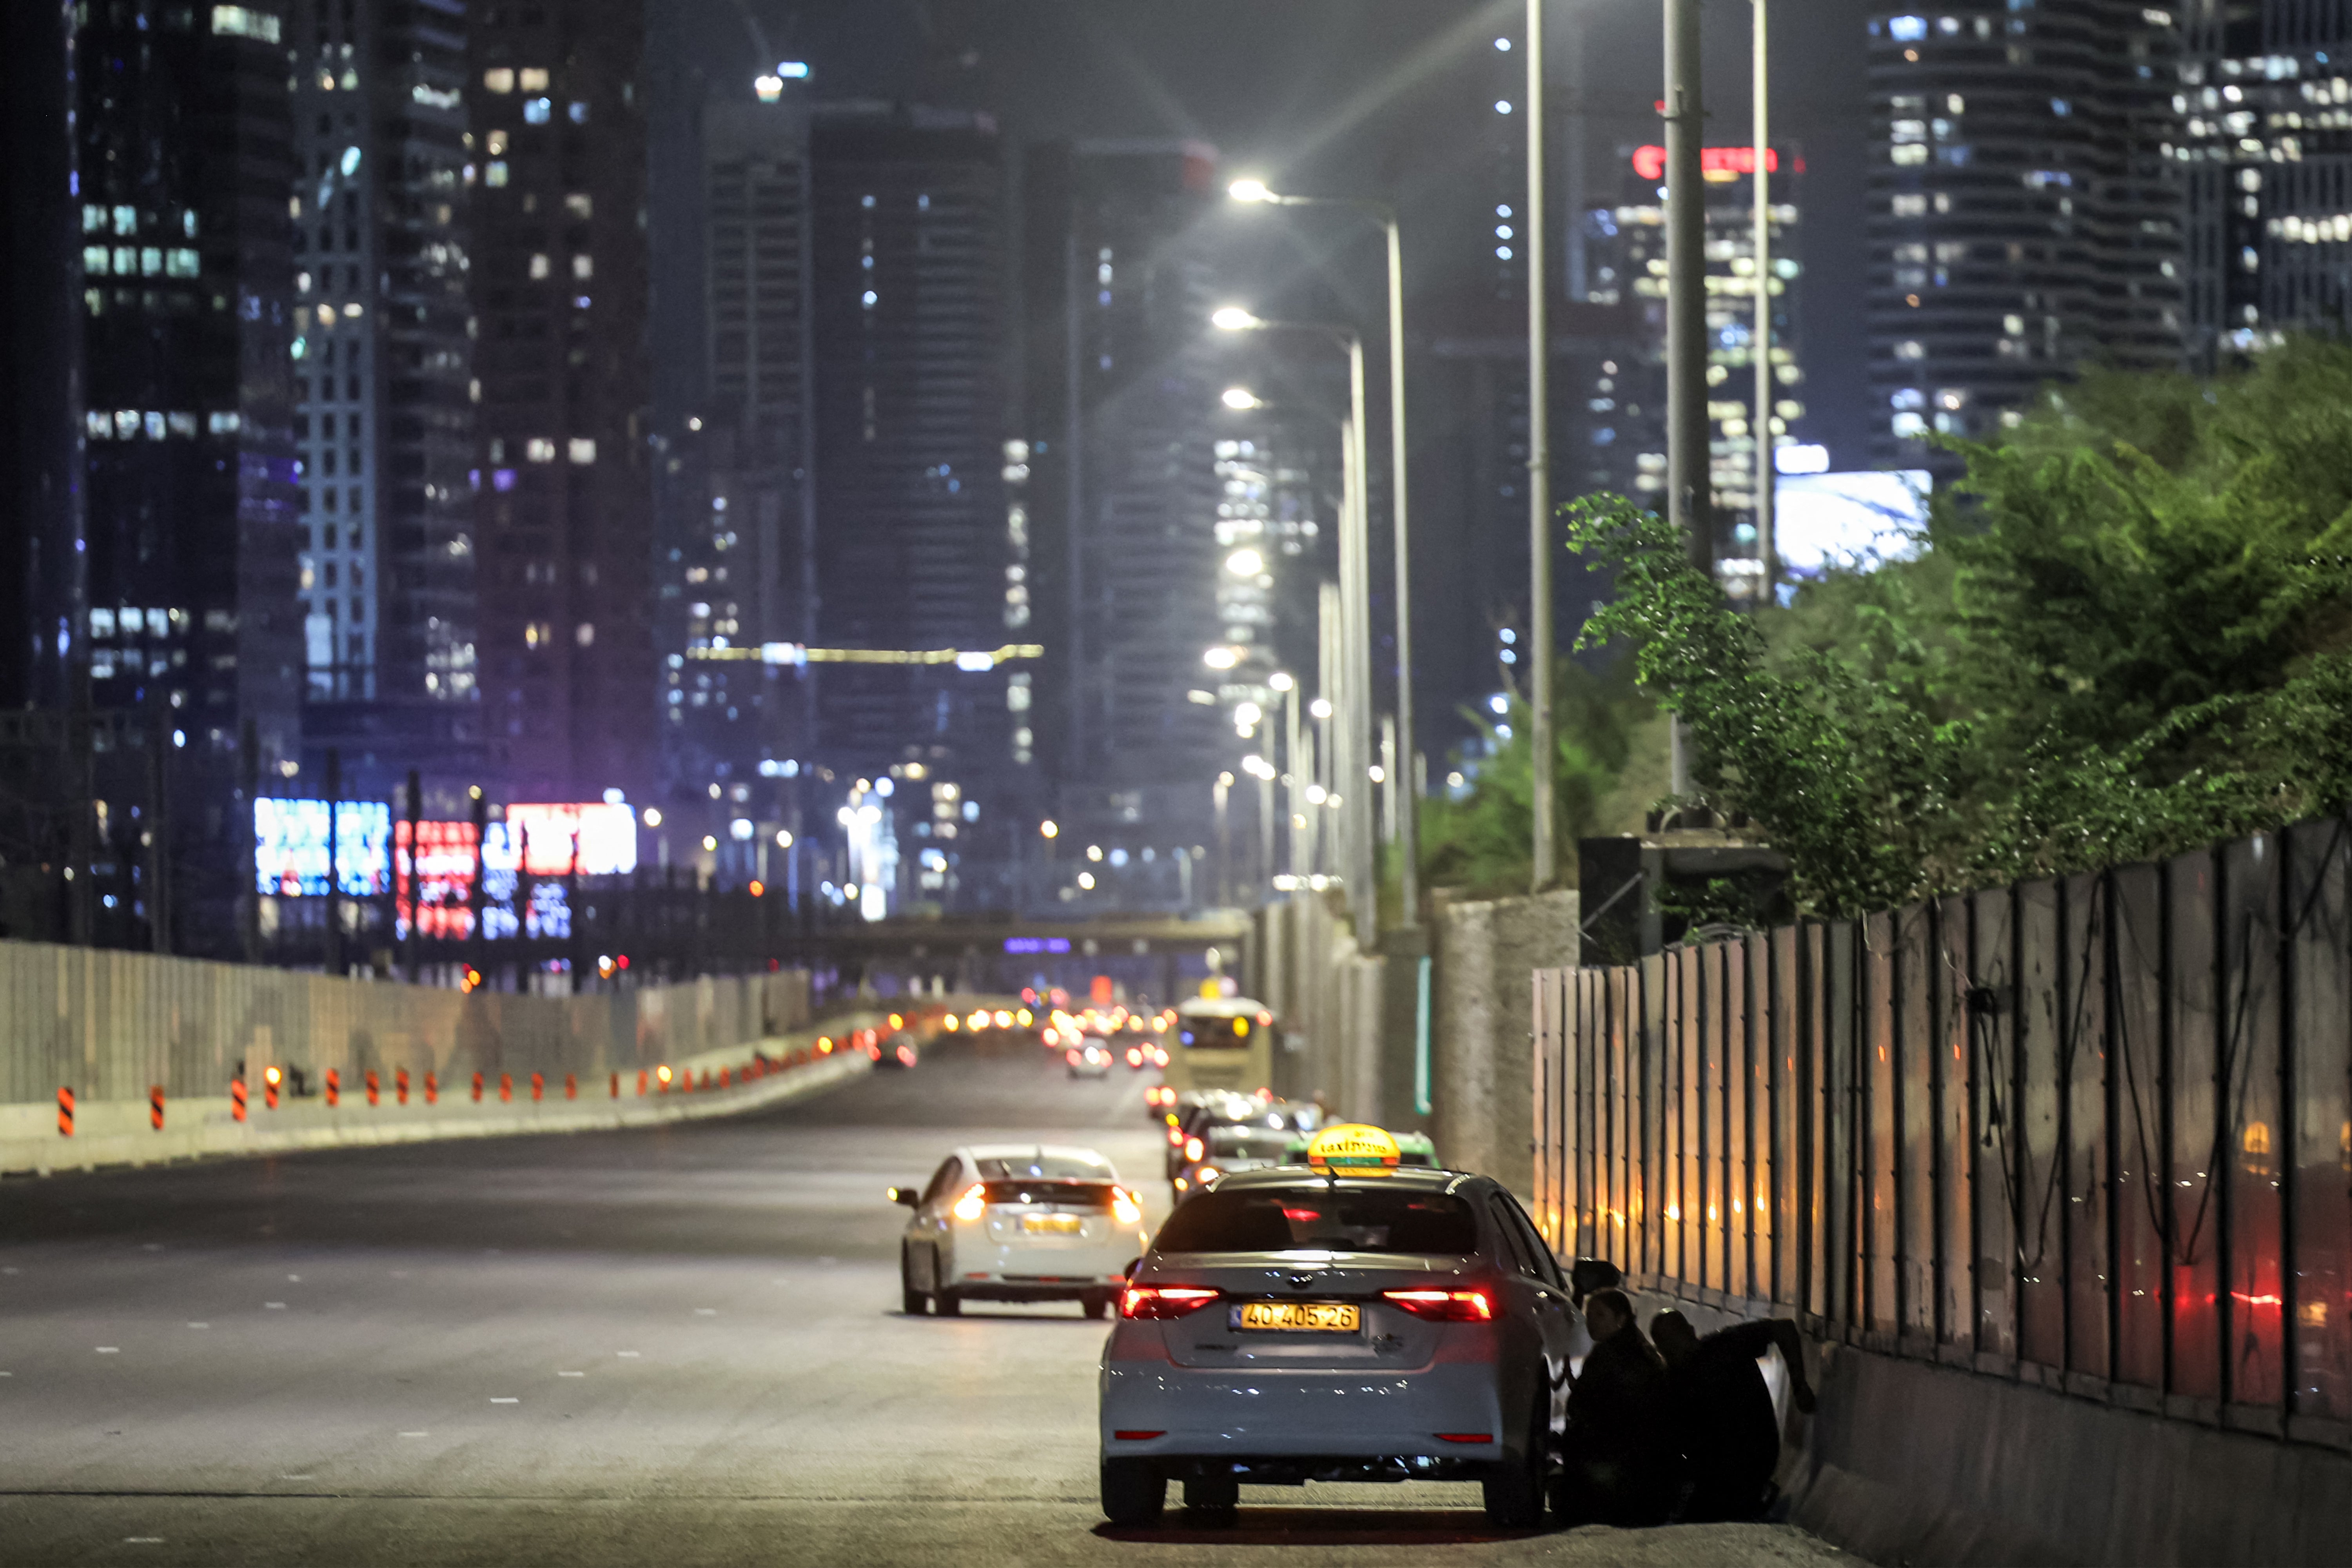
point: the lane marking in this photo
(275, 1306)
(143, 1540)
(200, 1325)
(417, 1433)
(284, 1477)
(705, 1311)
(152, 1246)
(109, 1350)
(627, 1355)
(297, 1278)
(571, 1375)
(496, 1401)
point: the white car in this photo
(1289, 1327)
(1018, 1222)
(1091, 1058)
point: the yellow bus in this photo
(1222, 1042)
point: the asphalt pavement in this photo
(677, 1346)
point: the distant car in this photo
(1018, 1222)
(1091, 1058)
(1288, 1326)
(1221, 1148)
(900, 1050)
(1198, 1112)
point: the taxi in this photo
(1022, 1221)
(1349, 1319)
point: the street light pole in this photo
(1688, 492)
(1540, 748)
(1768, 468)
(1408, 834)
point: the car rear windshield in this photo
(1246, 1141)
(1087, 1194)
(1042, 1167)
(1321, 1217)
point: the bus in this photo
(1222, 1042)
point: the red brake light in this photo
(1165, 1300)
(1192, 1147)
(1444, 1306)
(1302, 1216)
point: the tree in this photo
(2132, 634)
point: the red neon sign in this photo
(1649, 163)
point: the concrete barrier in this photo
(120, 1132)
(1905, 1461)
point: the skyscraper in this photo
(1134, 525)
(2026, 209)
(2264, 142)
(181, 602)
(562, 497)
(383, 418)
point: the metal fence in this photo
(112, 1025)
(2093, 1132)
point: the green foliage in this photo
(2131, 640)
(1483, 844)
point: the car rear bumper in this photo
(1260, 1413)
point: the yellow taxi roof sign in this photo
(1353, 1149)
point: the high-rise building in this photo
(2264, 141)
(382, 419)
(182, 602)
(1145, 549)
(734, 562)
(1624, 400)
(2026, 209)
(914, 546)
(562, 494)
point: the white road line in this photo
(506, 1401)
(571, 1375)
(200, 1325)
(417, 1433)
(705, 1311)
(143, 1540)
(109, 1350)
(275, 1306)
(627, 1355)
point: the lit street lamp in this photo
(1255, 192)
(1353, 754)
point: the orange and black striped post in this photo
(65, 1112)
(538, 1088)
(236, 1099)
(641, 1083)
(270, 1079)
(478, 1088)
(432, 1089)
(156, 1106)
(334, 1088)
(616, 1086)
(506, 1088)
(375, 1097)
(571, 1086)
(400, 1084)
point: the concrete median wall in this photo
(113, 1026)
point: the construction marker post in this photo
(270, 1079)
(616, 1086)
(570, 1085)
(432, 1089)
(374, 1097)
(236, 1099)
(156, 1106)
(538, 1088)
(334, 1088)
(478, 1088)
(65, 1112)
(400, 1084)
(506, 1088)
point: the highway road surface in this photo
(679, 1346)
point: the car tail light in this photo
(1466, 1436)
(1071, 1057)
(1165, 1300)
(1134, 1056)
(1175, 1137)
(1192, 1147)
(1209, 1174)
(973, 1204)
(1123, 1205)
(1444, 1306)
(1129, 1435)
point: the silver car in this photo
(1020, 1222)
(1288, 1327)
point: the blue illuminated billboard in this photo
(289, 847)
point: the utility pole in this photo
(1540, 748)
(1768, 468)
(159, 832)
(414, 806)
(1408, 824)
(331, 951)
(1687, 491)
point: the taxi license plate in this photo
(1299, 1317)
(1051, 1224)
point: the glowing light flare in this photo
(973, 1204)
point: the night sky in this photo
(1348, 96)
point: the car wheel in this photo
(1514, 1493)
(1096, 1306)
(948, 1304)
(1212, 1494)
(1134, 1492)
(911, 1301)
